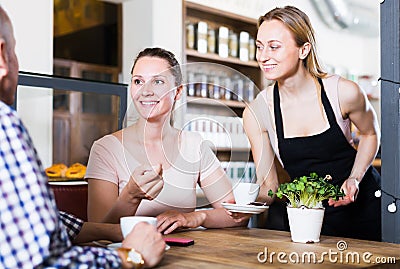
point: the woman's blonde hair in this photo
(300, 26)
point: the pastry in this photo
(76, 171)
(56, 170)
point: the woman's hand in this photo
(239, 217)
(170, 220)
(236, 216)
(350, 189)
(146, 182)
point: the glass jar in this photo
(221, 79)
(190, 33)
(203, 85)
(223, 40)
(202, 37)
(190, 86)
(233, 44)
(237, 88)
(228, 88)
(215, 85)
(211, 40)
(197, 84)
(244, 46)
(252, 49)
(249, 90)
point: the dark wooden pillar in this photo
(390, 113)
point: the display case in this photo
(83, 111)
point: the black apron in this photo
(329, 153)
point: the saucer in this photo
(248, 209)
(119, 244)
(114, 245)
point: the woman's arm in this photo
(92, 231)
(217, 189)
(104, 203)
(263, 154)
(354, 105)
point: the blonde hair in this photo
(300, 26)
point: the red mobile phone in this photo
(175, 241)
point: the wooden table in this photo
(239, 248)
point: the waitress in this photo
(304, 119)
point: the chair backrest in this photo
(71, 197)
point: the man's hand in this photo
(146, 240)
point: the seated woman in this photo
(151, 168)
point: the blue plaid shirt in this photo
(32, 231)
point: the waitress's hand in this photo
(146, 182)
(236, 216)
(350, 189)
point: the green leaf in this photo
(270, 193)
(308, 190)
(300, 186)
(303, 179)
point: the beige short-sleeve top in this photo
(109, 161)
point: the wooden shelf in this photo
(216, 12)
(234, 154)
(215, 18)
(215, 57)
(215, 102)
(227, 149)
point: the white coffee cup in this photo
(127, 223)
(245, 192)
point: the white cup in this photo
(245, 192)
(127, 223)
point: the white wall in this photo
(149, 23)
(33, 30)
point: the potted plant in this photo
(305, 209)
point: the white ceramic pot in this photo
(305, 223)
